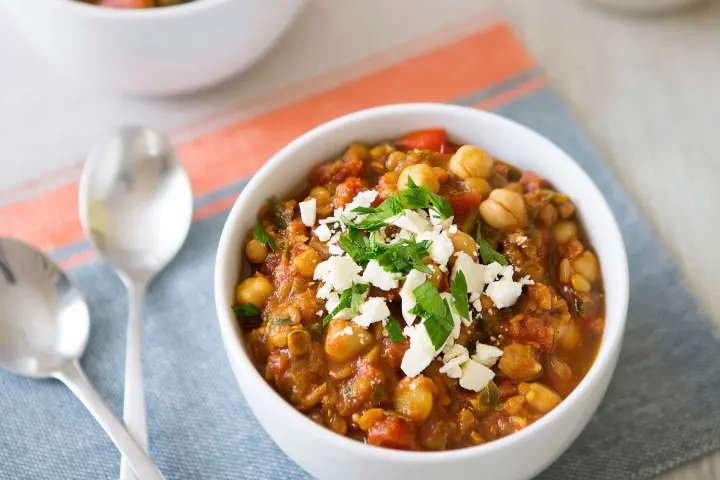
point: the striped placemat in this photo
(662, 406)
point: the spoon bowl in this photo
(135, 202)
(44, 328)
(44, 321)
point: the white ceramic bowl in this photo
(164, 50)
(327, 455)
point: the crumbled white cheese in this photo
(487, 354)
(421, 352)
(475, 376)
(412, 222)
(504, 293)
(348, 330)
(477, 305)
(474, 272)
(376, 275)
(374, 309)
(323, 233)
(340, 272)
(437, 220)
(441, 247)
(474, 297)
(413, 280)
(492, 271)
(335, 250)
(324, 291)
(521, 239)
(453, 228)
(308, 212)
(362, 199)
(453, 358)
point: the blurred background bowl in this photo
(155, 51)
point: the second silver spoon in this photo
(136, 208)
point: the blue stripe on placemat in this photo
(661, 409)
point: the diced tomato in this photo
(393, 432)
(532, 181)
(351, 165)
(464, 203)
(432, 139)
(347, 190)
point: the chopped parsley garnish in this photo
(394, 331)
(356, 298)
(436, 312)
(415, 196)
(487, 253)
(261, 236)
(247, 310)
(401, 256)
(276, 214)
(377, 217)
(346, 300)
(459, 292)
(404, 256)
(248, 315)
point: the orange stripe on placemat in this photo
(476, 62)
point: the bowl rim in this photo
(137, 14)
(605, 358)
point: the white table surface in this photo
(645, 89)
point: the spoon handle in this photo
(73, 376)
(134, 408)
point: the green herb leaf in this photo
(281, 321)
(413, 196)
(261, 236)
(487, 253)
(378, 218)
(459, 292)
(247, 310)
(346, 299)
(441, 205)
(356, 298)
(394, 331)
(436, 312)
(404, 255)
(276, 214)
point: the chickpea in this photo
(462, 242)
(539, 397)
(566, 209)
(518, 362)
(255, 290)
(298, 342)
(413, 397)
(256, 251)
(514, 187)
(342, 344)
(586, 264)
(321, 194)
(380, 150)
(390, 178)
(504, 210)
(423, 175)
(362, 151)
(560, 369)
(366, 420)
(278, 332)
(548, 215)
(437, 276)
(579, 283)
(395, 160)
(338, 425)
(471, 161)
(565, 231)
(477, 185)
(306, 262)
(570, 337)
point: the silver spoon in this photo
(136, 208)
(44, 327)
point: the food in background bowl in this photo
(136, 3)
(422, 295)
